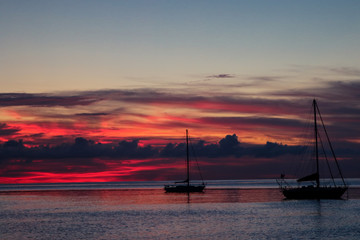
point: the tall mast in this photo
(316, 146)
(187, 159)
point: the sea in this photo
(228, 209)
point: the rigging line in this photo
(327, 161)
(306, 162)
(304, 153)
(332, 150)
(197, 164)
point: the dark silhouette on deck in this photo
(316, 191)
(185, 186)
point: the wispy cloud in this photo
(104, 113)
(223, 75)
(347, 71)
(266, 78)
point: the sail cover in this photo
(187, 180)
(311, 177)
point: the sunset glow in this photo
(95, 99)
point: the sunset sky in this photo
(104, 90)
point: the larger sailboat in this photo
(316, 190)
(185, 186)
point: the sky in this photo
(95, 91)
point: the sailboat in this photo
(315, 190)
(185, 186)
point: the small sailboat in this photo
(316, 190)
(185, 186)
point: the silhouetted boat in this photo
(185, 186)
(316, 190)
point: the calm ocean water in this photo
(243, 209)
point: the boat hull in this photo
(311, 192)
(184, 188)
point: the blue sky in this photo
(82, 45)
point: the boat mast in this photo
(187, 160)
(316, 146)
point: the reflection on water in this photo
(153, 214)
(211, 184)
(119, 197)
(145, 196)
(158, 196)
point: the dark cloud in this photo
(84, 148)
(81, 148)
(92, 114)
(5, 130)
(224, 75)
(254, 121)
(330, 92)
(292, 101)
(228, 158)
(37, 135)
(41, 100)
(346, 89)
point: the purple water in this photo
(224, 211)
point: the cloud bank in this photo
(136, 134)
